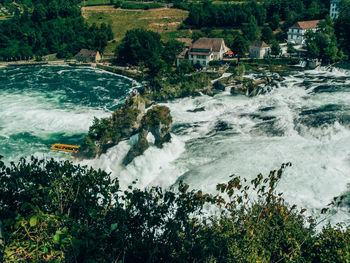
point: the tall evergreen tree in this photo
(251, 29)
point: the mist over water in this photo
(304, 119)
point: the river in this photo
(304, 119)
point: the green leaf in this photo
(114, 226)
(33, 221)
(56, 238)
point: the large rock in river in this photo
(157, 121)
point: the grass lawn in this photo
(161, 20)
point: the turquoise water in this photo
(40, 106)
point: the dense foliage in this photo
(322, 44)
(136, 5)
(44, 27)
(271, 11)
(145, 48)
(342, 25)
(107, 132)
(59, 212)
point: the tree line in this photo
(55, 211)
(207, 14)
(46, 27)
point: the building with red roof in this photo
(297, 31)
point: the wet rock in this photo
(197, 109)
(136, 150)
(157, 121)
(222, 126)
(249, 88)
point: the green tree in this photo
(275, 48)
(291, 49)
(139, 45)
(275, 21)
(171, 49)
(60, 212)
(197, 35)
(342, 25)
(240, 46)
(184, 67)
(267, 34)
(322, 44)
(251, 30)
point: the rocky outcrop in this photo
(107, 132)
(247, 87)
(156, 121)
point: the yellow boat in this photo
(65, 147)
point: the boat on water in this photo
(65, 147)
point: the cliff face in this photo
(156, 121)
(125, 122)
(107, 132)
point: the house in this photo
(297, 31)
(184, 53)
(86, 55)
(204, 50)
(259, 49)
(334, 9)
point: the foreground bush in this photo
(59, 212)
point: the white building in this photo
(297, 31)
(259, 49)
(334, 9)
(204, 50)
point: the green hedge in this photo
(137, 5)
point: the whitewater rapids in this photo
(304, 119)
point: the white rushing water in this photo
(305, 120)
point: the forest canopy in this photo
(39, 28)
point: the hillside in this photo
(161, 20)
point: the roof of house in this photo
(306, 24)
(200, 53)
(183, 53)
(186, 41)
(260, 44)
(213, 44)
(87, 53)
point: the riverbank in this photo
(22, 63)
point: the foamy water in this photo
(304, 119)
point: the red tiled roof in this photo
(306, 24)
